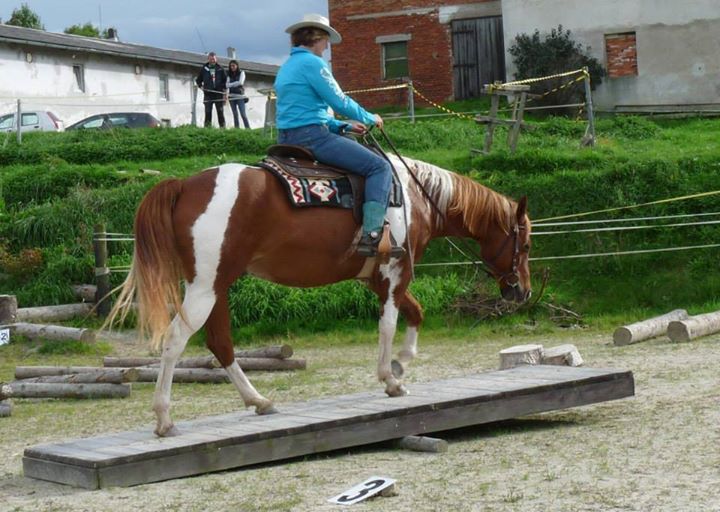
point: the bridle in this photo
(512, 277)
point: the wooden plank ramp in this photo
(239, 439)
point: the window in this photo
(166, 123)
(395, 60)
(164, 87)
(93, 122)
(79, 72)
(621, 51)
(7, 121)
(30, 119)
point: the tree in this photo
(554, 53)
(87, 30)
(25, 17)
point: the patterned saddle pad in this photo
(310, 183)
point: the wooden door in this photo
(478, 55)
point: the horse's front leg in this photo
(411, 310)
(387, 327)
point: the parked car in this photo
(40, 120)
(116, 120)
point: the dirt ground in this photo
(657, 451)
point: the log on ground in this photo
(209, 362)
(53, 313)
(53, 332)
(8, 309)
(30, 372)
(694, 327)
(5, 408)
(186, 375)
(19, 389)
(86, 292)
(520, 354)
(423, 444)
(108, 376)
(562, 355)
(646, 329)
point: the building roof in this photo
(33, 37)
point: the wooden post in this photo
(589, 139)
(102, 273)
(411, 101)
(8, 309)
(646, 329)
(193, 104)
(18, 122)
(518, 113)
(494, 105)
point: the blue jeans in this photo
(333, 149)
(236, 105)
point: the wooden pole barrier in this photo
(43, 390)
(145, 374)
(520, 354)
(101, 374)
(646, 329)
(694, 327)
(208, 362)
(280, 352)
(53, 332)
(54, 313)
(102, 272)
(8, 309)
(108, 376)
(411, 101)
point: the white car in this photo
(33, 121)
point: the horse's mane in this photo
(458, 195)
(479, 206)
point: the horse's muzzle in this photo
(515, 294)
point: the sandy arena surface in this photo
(657, 451)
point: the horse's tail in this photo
(156, 270)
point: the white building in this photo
(659, 54)
(75, 77)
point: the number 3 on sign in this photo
(4, 336)
(369, 487)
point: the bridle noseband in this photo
(511, 278)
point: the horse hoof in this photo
(396, 368)
(399, 390)
(172, 431)
(265, 409)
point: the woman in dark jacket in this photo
(236, 87)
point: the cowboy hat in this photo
(317, 21)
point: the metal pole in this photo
(18, 122)
(411, 101)
(590, 134)
(193, 104)
(102, 272)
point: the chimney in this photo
(231, 52)
(112, 34)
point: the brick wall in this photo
(357, 61)
(621, 51)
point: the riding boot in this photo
(373, 221)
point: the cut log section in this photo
(519, 355)
(423, 444)
(53, 332)
(54, 313)
(8, 309)
(640, 331)
(5, 408)
(86, 292)
(562, 355)
(108, 376)
(694, 327)
(20, 389)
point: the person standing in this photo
(305, 89)
(236, 90)
(212, 80)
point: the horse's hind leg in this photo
(411, 310)
(220, 344)
(198, 303)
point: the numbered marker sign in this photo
(4, 336)
(369, 487)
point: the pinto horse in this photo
(212, 228)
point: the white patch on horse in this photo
(209, 229)
(388, 323)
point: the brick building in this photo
(658, 54)
(436, 44)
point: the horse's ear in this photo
(521, 209)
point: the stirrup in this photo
(368, 244)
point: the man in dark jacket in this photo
(212, 79)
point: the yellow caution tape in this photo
(373, 89)
(444, 109)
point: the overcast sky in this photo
(256, 28)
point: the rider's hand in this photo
(379, 121)
(357, 127)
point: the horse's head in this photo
(506, 253)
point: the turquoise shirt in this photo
(305, 88)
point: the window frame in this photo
(385, 60)
(164, 79)
(79, 73)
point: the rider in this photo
(305, 89)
